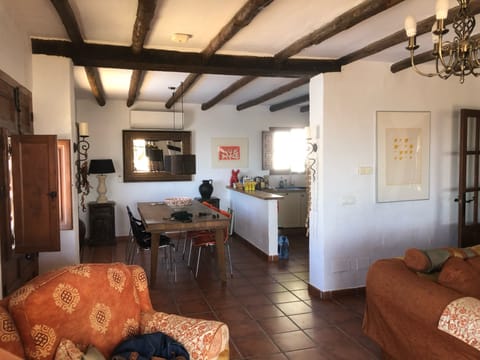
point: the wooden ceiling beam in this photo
(65, 12)
(145, 13)
(228, 91)
(348, 19)
(305, 108)
(289, 102)
(423, 27)
(270, 95)
(121, 57)
(242, 18)
(345, 21)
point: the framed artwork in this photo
(403, 155)
(229, 152)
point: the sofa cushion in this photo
(96, 304)
(431, 260)
(460, 275)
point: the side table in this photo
(213, 201)
(102, 223)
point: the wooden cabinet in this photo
(292, 209)
(102, 223)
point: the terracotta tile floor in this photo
(266, 305)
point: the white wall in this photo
(106, 125)
(15, 57)
(54, 113)
(346, 238)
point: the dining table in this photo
(157, 219)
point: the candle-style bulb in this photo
(83, 129)
(410, 26)
(441, 9)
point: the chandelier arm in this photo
(442, 74)
(448, 46)
(414, 66)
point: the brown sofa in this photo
(405, 298)
(61, 313)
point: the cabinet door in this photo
(289, 210)
(35, 193)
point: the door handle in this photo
(52, 194)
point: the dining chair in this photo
(141, 240)
(206, 239)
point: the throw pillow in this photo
(426, 260)
(460, 275)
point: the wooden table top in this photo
(157, 217)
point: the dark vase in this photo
(206, 189)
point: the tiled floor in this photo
(266, 305)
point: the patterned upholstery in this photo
(461, 319)
(92, 304)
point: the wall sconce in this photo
(81, 148)
(312, 147)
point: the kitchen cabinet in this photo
(292, 209)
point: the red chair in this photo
(206, 238)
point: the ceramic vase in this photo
(206, 189)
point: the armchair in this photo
(99, 305)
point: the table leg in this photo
(219, 239)
(154, 259)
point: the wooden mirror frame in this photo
(129, 135)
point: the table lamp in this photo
(101, 167)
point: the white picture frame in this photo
(403, 155)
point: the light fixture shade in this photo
(101, 166)
(180, 164)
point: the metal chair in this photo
(141, 240)
(203, 239)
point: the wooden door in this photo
(35, 193)
(469, 180)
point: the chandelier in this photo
(459, 57)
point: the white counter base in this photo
(256, 221)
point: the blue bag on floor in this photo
(283, 247)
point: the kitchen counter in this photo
(256, 219)
(286, 189)
(260, 194)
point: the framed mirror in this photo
(144, 153)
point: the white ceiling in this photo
(277, 26)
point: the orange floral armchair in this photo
(58, 314)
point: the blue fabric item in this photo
(148, 345)
(283, 246)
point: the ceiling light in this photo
(181, 37)
(459, 57)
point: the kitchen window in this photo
(284, 150)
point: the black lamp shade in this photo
(180, 164)
(101, 166)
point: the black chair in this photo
(141, 240)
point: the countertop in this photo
(286, 189)
(263, 195)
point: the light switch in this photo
(365, 170)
